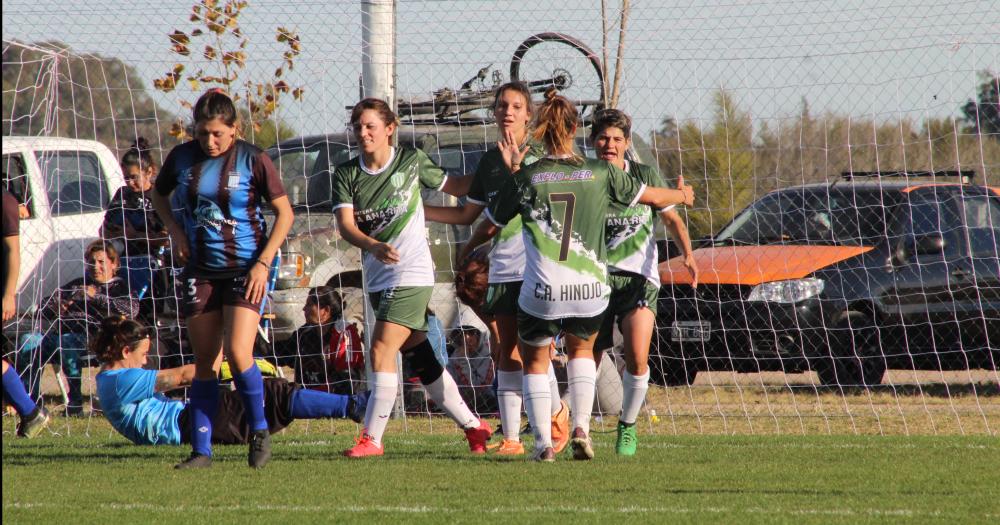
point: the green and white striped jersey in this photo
(563, 205)
(507, 254)
(388, 208)
(630, 230)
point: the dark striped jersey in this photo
(217, 200)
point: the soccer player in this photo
(512, 110)
(34, 417)
(218, 182)
(376, 197)
(132, 400)
(632, 266)
(563, 200)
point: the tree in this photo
(718, 161)
(984, 116)
(50, 90)
(220, 60)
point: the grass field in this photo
(429, 477)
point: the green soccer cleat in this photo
(627, 440)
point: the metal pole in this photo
(378, 49)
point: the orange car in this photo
(847, 278)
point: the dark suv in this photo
(847, 278)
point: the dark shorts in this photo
(403, 305)
(501, 298)
(203, 295)
(629, 291)
(230, 424)
(540, 332)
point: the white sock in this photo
(536, 399)
(582, 374)
(509, 385)
(384, 387)
(633, 394)
(554, 388)
(444, 392)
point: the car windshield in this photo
(306, 170)
(458, 159)
(811, 216)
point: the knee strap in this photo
(424, 363)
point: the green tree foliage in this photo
(48, 89)
(984, 115)
(214, 54)
(731, 161)
(717, 160)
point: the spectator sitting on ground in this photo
(470, 364)
(132, 400)
(326, 351)
(76, 309)
(131, 219)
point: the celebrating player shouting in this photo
(633, 278)
(512, 110)
(563, 200)
(376, 197)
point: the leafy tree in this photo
(48, 89)
(219, 60)
(717, 160)
(983, 116)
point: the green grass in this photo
(93, 476)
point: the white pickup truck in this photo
(65, 186)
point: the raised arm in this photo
(660, 198)
(173, 378)
(465, 215)
(349, 230)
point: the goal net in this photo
(848, 281)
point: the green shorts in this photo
(540, 332)
(628, 292)
(403, 305)
(501, 298)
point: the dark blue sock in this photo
(250, 385)
(203, 406)
(313, 404)
(14, 388)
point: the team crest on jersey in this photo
(209, 215)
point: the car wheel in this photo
(855, 358)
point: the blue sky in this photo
(882, 59)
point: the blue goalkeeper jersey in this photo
(217, 200)
(131, 404)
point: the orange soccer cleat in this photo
(508, 447)
(478, 437)
(560, 428)
(364, 447)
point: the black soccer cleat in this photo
(260, 449)
(357, 405)
(195, 460)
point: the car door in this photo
(931, 271)
(980, 309)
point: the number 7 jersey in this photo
(563, 205)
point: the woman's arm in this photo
(349, 230)
(679, 232)
(465, 215)
(457, 186)
(173, 378)
(256, 282)
(662, 197)
(484, 232)
(161, 204)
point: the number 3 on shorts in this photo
(192, 291)
(567, 225)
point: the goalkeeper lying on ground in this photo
(132, 401)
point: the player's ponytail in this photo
(472, 281)
(555, 124)
(116, 332)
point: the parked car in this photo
(65, 186)
(848, 279)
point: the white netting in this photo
(741, 99)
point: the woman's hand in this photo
(687, 190)
(692, 268)
(256, 282)
(511, 153)
(385, 253)
(180, 242)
